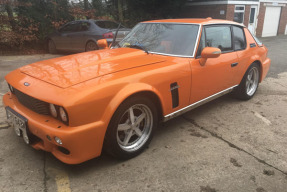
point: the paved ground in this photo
(226, 145)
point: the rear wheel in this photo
(91, 46)
(131, 128)
(249, 83)
(52, 47)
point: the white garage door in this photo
(271, 21)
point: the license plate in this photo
(19, 123)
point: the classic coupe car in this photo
(113, 99)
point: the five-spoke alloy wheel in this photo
(131, 128)
(252, 81)
(249, 83)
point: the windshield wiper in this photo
(115, 36)
(137, 46)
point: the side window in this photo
(202, 44)
(71, 27)
(65, 28)
(85, 26)
(238, 38)
(219, 37)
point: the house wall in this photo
(230, 12)
(260, 21)
(283, 20)
(203, 11)
(213, 10)
(246, 15)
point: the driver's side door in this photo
(216, 75)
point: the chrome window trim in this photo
(196, 42)
(236, 24)
(197, 104)
(166, 54)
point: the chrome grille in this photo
(32, 103)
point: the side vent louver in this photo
(174, 94)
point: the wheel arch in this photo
(153, 97)
(254, 59)
(260, 68)
(134, 90)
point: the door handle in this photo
(234, 64)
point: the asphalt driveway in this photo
(225, 145)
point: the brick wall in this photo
(230, 12)
(283, 20)
(260, 21)
(246, 15)
(203, 11)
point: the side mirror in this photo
(103, 43)
(209, 52)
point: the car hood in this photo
(73, 69)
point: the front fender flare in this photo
(124, 93)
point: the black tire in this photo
(91, 46)
(249, 84)
(120, 127)
(51, 47)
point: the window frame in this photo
(200, 26)
(244, 35)
(198, 52)
(254, 17)
(239, 11)
(198, 55)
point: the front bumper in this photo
(83, 142)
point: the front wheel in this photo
(249, 83)
(91, 46)
(131, 128)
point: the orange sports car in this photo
(76, 105)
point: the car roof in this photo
(195, 21)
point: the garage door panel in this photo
(271, 21)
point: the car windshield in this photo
(163, 38)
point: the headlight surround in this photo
(59, 113)
(63, 114)
(53, 110)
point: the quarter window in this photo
(219, 37)
(238, 38)
(239, 13)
